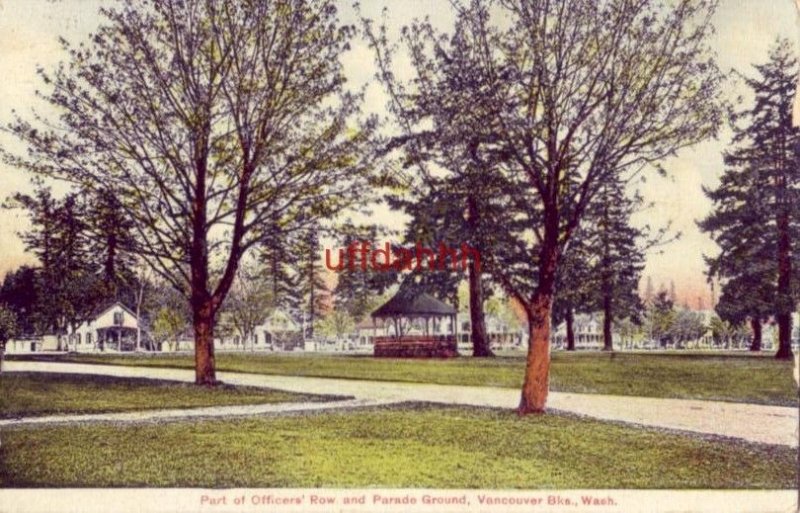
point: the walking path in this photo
(751, 422)
(190, 413)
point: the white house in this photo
(279, 332)
(588, 329)
(113, 328)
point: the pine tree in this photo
(278, 262)
(755, 221)
(358, 285)
(66, 286)
(311, 280)
(111, 245)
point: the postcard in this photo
(424, 256)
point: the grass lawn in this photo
(413, 445)
(29, 394)
(727, 377)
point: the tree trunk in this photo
(2, 355)
(539, 311)
(784, 337)
(204, 345)
(537, 368)
(785, 302)
(570, 319)
(755, 323)
(480, 342)
(608, 342)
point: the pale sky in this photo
(745, 29)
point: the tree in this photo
(67, 289)
(661, 319)
(576, 284)
(561, 98)
(19, 293)
(169, 318)
(280, 263)
(110, 243)
(687, 326)
(8, 329)
(755, 221)
(457, 212)
(312, 287)
(336, 323)
(358, 285)
(208, 120)
(249, 303)
(748, 298)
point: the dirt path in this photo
(751, 422)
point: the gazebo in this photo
(403, 311)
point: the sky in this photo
(29, 32)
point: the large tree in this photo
(756, 216)
(209, 120)
(561, 98)
(66, 287)
(460, 214)
(621, 249)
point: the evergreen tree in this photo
(19, 292)
(358, 284)
(621, 259)
(278, 263)
(755, 221)
(111, 245)
(67, 288)
(312, 287)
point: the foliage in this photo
(336, 324)
(8, 324)
(358, 287)
(756, 218)
(19, 292)
(559, 103)
(249, 303)
(661, 319)
(211, 122)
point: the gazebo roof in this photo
(420, 305)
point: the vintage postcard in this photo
(481, 256)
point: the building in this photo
(502, 335)
(112, 328)
(279, 332)
(588, 330)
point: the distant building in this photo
(588, 330)
(112, 328)
(501, 334)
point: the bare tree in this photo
(249, 303)
(206, 119)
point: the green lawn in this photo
(29, 394)
(728, 377)
(412, 445)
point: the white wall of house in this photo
(115, 317)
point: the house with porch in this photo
(112, 328)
